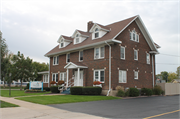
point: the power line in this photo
(167, 64)
(169, 55)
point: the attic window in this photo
(96, 34)
(61, 43)
(77, 39)
(134, 36)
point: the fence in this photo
(170, 88)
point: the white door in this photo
(80, 83)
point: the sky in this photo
(34, 26)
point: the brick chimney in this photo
(89, 25)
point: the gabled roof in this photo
(105, 28)
(115, 29)
(66, 38)
(72, 65)
(86, 34)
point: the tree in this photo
(171, 76)
(22, 68)
(40, 67)
(178, 72)
(164, 75)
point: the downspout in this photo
(49, 71)
(109, 69)
(153, 70)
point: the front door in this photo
(80, 83)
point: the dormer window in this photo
(62, 43)
(96, 34)
(77, 39)
(134, 36)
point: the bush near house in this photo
(157, 90)
(78, 90)
(146, 91)
(120, 93)
(46, 88)
(27, 87)
(127, 93)
(54, 89)
(133, 92)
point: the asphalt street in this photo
(151, 107)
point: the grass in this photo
(6, 104)
(60, 99)
(16, 93)
(7, 87)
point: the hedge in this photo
(77, 90)
(133, 92)
(157, 90)
(146, 91)
(121, 93)
(54, 89)
(46, 88)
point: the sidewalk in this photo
(29, 110)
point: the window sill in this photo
(99, 58)
(55, 64)
(134, 41)
(122, 59)
(122, 82)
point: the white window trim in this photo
(122, 76)
(56, 60)
(136, 35)
(79, 56)
(99, 53)
(77, 37)
(55, 76)
(44, 79)
(67, 57)
(64, 74)
(99, 75)
(61, 41)
(137, 75)
(148, 62)
(124, 53)
(137, 55)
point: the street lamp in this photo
(10, 84)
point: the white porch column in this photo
(78, 76)
(67, 78)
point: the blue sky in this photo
(34, 26)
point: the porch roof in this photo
(72, 65)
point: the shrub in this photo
(60, 82)
(76, 90)
(120, 93)
(119, 88)
(46, 88)
(157, 90)
(91, 90)
(146, 91)
(96, 82)
(127, 92)
(52, 82)
(27, 86)
(54, 89)
(133, 92)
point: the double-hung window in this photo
(68, 58)
(80, 55)
(122, 52)
(55, 77)
(135, 74)
(77, 39)
(45, 78)
(62, 43)
(135, 54)
(148, 58)
(99, 75)
(99, 53)
(96, 33)
(63, 76)
(134, 36)
(56, 60)
(122, 76)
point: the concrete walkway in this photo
(29, 110)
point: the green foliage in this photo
(133, 92)
(178, 71)
(171, 76)
(157, 90)
(54, 89)
(91, 90)
(146, 91)
(120, 93)
(46, 88)
(164, 75)
(127, 93)
(76, 90)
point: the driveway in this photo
(152, 107)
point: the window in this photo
(122, 52)
(77, 39)
(55, 77)
(148, 58)
(68, 58)
(134, 36)
(45, 78)
(122, 76)
(135, 74)
(80, 55)
(56, 60)
(62, 44)
(96, 33)
(63, 76)
(135, 55)
(99, 75)
(99, 53)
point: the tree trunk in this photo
(21, 84)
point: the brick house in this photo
(121, 53)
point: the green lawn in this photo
(6, 104)
(11, 87)
(59, 99)
(15, 93)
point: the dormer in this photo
(79, 36)
(64, 41)
(98, 31)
